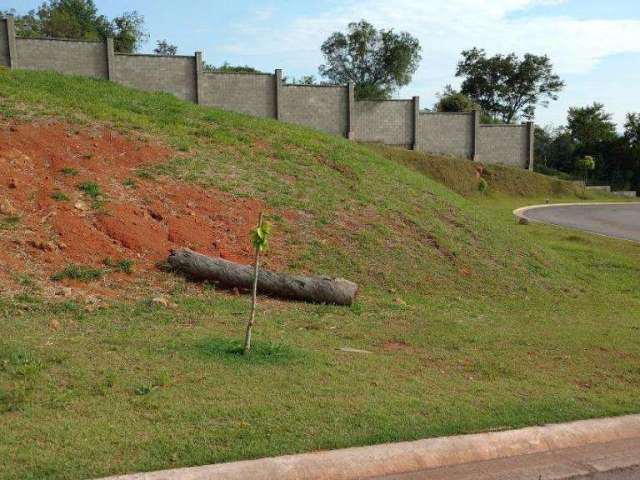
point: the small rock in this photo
(7, 209)
(54, 324)
(62, 246)
(160, 301)
(64, 292)
(80, 205)
(93, 300)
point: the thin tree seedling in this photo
(259, 239)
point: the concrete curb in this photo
(404, 457)
(522, 218)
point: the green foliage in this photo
(83, 273)
(259, 236)
(450, 100)
(378, 62)
(123, 265)
(591, 125)
(165, 48)
(226, 67)
(483, 185)
(79, 19)
(69, 171)
(9, 222)
(585, 164)
(507, 87)
(59, 196)
(90, 188)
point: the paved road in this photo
(617, 460)
(616, 220)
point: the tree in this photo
(584, 165)
(165, 48)
(259, 239)
(590, 126)
(378, 62)
(632, 130)
(79, 19)
(451, 100)
(129, 32)
(507, 87)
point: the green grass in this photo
(69, 171)
(91, 189)
(474, 322)
(123, 265)
(59, 196)
(83, 273)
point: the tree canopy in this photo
(165, 48)
(80, 20)
(507, 87)
(378, 62)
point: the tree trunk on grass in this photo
(336, 291)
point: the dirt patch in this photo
(73, 197)
(396, 346)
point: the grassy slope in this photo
(474, 322)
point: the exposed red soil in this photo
(142, 222)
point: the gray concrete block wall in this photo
(173, 74)
(505, 144)
(71, 57)
(446, 133)
(4, 43)
(322, 107)
(240, 92)
(331, 109)
(389, 121)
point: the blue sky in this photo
(594, 44)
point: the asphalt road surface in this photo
(620, 220)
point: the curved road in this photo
(621, 220)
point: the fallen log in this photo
(319, 289)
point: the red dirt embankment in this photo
(47, 221)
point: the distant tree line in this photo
(79, 19)
(591, 132)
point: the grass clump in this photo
(69, 171)
(91, 189)
(9, 222)
(59, 196)
(123, 265)
(83, 273)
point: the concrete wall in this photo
(173, 74)
(74, 58)
(321, 107)
(446, 133)
(505, 144)
(240, 92)
(4, 43)
(389, 122)
(331, 109)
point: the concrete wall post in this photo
(199, 77)
(416, 119)
(530, 144)
(475, 132)
(278, 91)
(11, 37)
(111, 60)
(351, 99)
